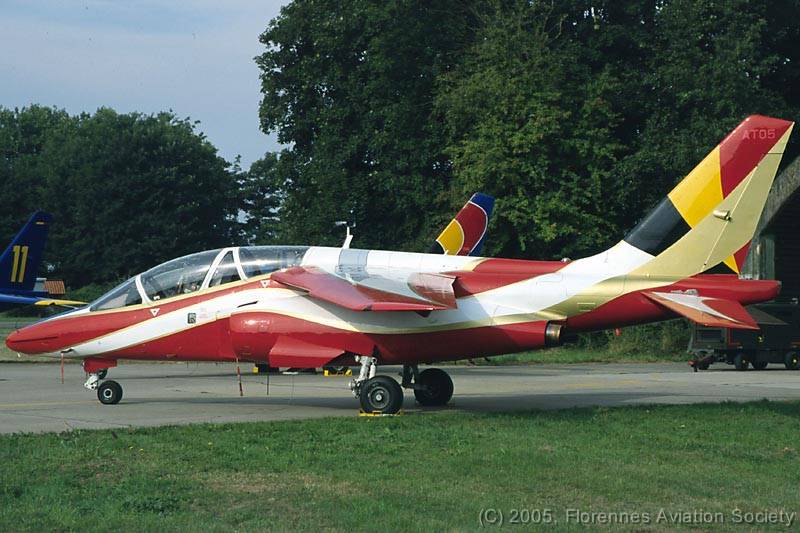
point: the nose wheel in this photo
(109, 392)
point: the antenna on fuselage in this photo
(348, 238)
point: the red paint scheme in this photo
(255, 336)
(96, 364)
(636, 308)
(252, 335)
(54, 334)
(493, 273)
(753, 138)
(473, 222)
(736, 316)
(334, 289)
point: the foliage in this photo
(349, 86)
(127, 191)
(577, 115)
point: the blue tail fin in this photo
(19, 263)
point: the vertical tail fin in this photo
(20, 260)
(711, 215)
(465, 234)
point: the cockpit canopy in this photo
(201, 270)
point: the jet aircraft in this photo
(306, 306)
(20, 263)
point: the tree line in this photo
(576, 115)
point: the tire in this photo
(760, 365)
(740, 362)
(109, 392)
(438, 387)
(792, 361)
(102, 374)
(381, 394)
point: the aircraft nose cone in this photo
(13, 341)
(31, 340)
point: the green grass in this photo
(574, 355)
(435, 470)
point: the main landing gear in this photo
(108, 392)
(382, 394)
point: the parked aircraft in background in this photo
(20, 263)
(465, 234)
(303, 306)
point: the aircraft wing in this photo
(36, 300)
(360, 290)
(18, 300)
(706, 311)
(62, 303)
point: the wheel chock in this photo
(362, 412)
(333, 373)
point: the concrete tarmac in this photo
(32, 398)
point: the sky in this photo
(194, 57)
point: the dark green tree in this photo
(263, 189)
(350, 87)
(127, 191)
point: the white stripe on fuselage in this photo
(520, 301)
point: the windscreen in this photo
(179, 276)
(260, 260)
(226, 271)
(121, 296)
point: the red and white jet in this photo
(302, 306)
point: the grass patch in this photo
(565, 355)
(417, 472)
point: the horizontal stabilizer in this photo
(362, 291)
(295, 353)
(706, 311)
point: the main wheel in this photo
(109, 392)
(760, 365)
(792, 361)
(102, 374)
(381, 394)
(437, 387)
(740, 362)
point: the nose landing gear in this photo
(108, 392)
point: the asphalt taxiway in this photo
(33, 399)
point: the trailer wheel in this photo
(792, 361)
(740, 362)
(760, 365)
